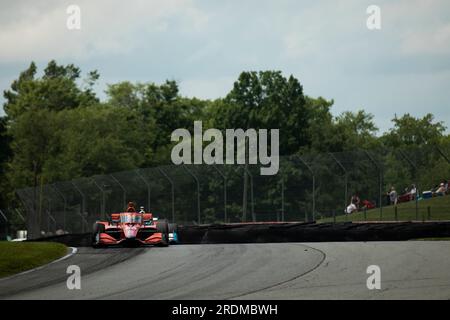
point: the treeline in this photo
(56, 128)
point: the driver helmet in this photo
(131, 207)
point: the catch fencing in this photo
(307, 187)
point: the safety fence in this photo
(307, 187)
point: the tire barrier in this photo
(312, 232)
(291, 232)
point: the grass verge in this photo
(17, 257)
(437, 208)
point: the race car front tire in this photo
(98, 228)
(163, 227)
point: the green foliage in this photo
(16, 257)
(161, 109)
(56, 90)
(57, 129)
(435, 208)
(98, 139)
(409, 130)
(5, 154)
(356, 130)
(266, 99)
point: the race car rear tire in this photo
(163, 227)
(98, 228)
(173, 228)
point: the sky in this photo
(404, 67)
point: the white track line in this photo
(74, 250)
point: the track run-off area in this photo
(325, 270)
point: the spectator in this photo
(441, 190)
(393, 196)
(387, 199)
(413, 192)
(355, 200)
(351, 208)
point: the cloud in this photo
(336, 32)
(435, 41)
(403, 67)
(107, 27)
(204, 88)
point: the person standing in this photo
(356, 201)
(393, 196)
(413, 192)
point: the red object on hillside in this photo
(367, 204)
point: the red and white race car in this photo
(131, 228)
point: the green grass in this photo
(439, 209)
(16, 257)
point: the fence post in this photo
(65, 204)
(282, 199)
(251, 193)
(429, 212)
(396, 213)
(50, 217)
(313, 187)
(334, 216)
(103, 202)
(224, 192)
(149, 189)
(173, 191)
(6, 223)
(123, 189)
(345, 174)
(20, 215)
(365, 213)
(198, 192)
(442, 154)
(83, 206)
(415, 178)
(380, 182)
(83, 197)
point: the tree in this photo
(345, 132)
(32, 106)
(5, 154)
(409, 130)
(96, 140)
(56, 90)
(356, 130)
(161, 107)
(320, 124)
(266, 100)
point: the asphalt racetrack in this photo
(409, 270)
